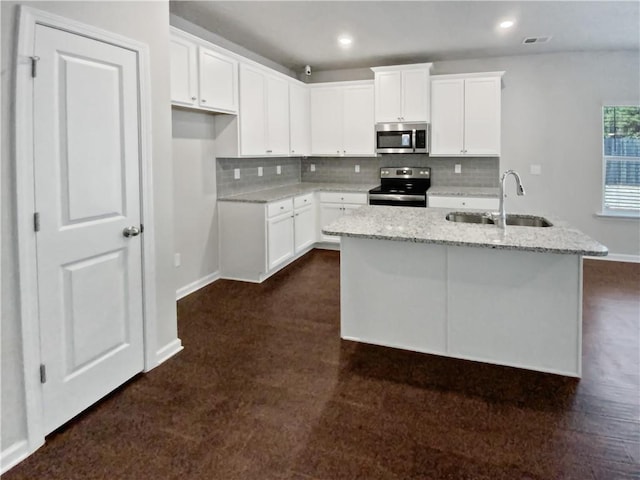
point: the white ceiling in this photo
(296, 33)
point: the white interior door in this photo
(87, 191)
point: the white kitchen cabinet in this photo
(264, 113)
(299, 127)
(258, 239)
(402, 93)
(218, 82)
(202, 78)
(334, 205)
(342, 121)
(465, 114)
(184, 71)
(481, 203)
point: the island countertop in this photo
(429, 225)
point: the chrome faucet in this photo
(502, 215)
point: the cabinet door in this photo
(218, 82)
(359, 127)
(253, 133)
(280, 239)
(299, 130)
(388, 97)
(329, 212)
(447, 117)
(326, 121)
(482, 116)
(184, 79)
(277, 116)
(415, 96)
(305, 228)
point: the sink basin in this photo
(485, 218)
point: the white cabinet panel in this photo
(326, 121)
(447, 115)
(334, 205)
(218, 82)
(280, 239)
(299, 120)
(465, 114)
(184, 68)
(388, 96)
(358, 137)
(253, 124)
(329, 213)
(277, 116)
(305, 228)
(415, 96)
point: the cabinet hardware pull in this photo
(193, 98)
(203, 101)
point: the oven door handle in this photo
(397, 197)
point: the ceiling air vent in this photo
(529, 40)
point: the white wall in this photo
(195, 204)
(147, 22)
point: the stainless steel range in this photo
(402, 186)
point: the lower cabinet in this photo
(481, 203)
(334, 205)
(258, 239)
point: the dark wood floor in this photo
(265, 389)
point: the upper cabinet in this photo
(342, 119)
(465, 114)
(402, 93)
(299, 120)
(201, 77)
(264, 113)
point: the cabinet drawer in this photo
(303, 200)
(343, 197)
(483, 203)
(279, 207)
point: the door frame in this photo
(25, 202)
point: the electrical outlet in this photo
(312, 167)
(177, 260)
(236, 173)
(535, 169)
(260, 172)
(458, 168)
(357, 168)
(278, 169)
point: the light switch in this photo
(535, 169)
(357, 168)
(278, 169)
(176, 260)
(236, 173)
(458, 168)
(312, 167)
(260, 171)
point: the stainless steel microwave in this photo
(402, 137)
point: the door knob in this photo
(131, 231)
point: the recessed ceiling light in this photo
(507, 24)
(345, 41)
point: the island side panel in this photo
(393, 294)
(517, 308)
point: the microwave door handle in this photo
(413, 140)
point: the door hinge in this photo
(141, 228)
(43, 373)
(36, 222)
(34, 65)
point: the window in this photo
(621, 150)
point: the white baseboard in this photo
(168, 351)
(327, 246)
(197, 285)
(618, 257)
(11, 456)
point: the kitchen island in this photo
(412, 279)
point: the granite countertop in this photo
(279, 193)
(453, 191)
(428, 225)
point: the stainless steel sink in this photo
(486, 218)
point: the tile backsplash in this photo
(475, 171)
